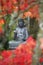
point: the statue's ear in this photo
(25, 25)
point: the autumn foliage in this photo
(9, 6)
(22, 55)
(1, 23)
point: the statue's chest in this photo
(20, 32)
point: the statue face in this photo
(21, 24)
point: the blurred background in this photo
(12, 10)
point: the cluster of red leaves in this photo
(21, 56)
(1, 23)
(35, 11)
(26, 4)
(8, 6)
(41, 60)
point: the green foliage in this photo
(34, 27)
(5, 36)
(8, 32)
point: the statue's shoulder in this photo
(17, 28)
(25, 28)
